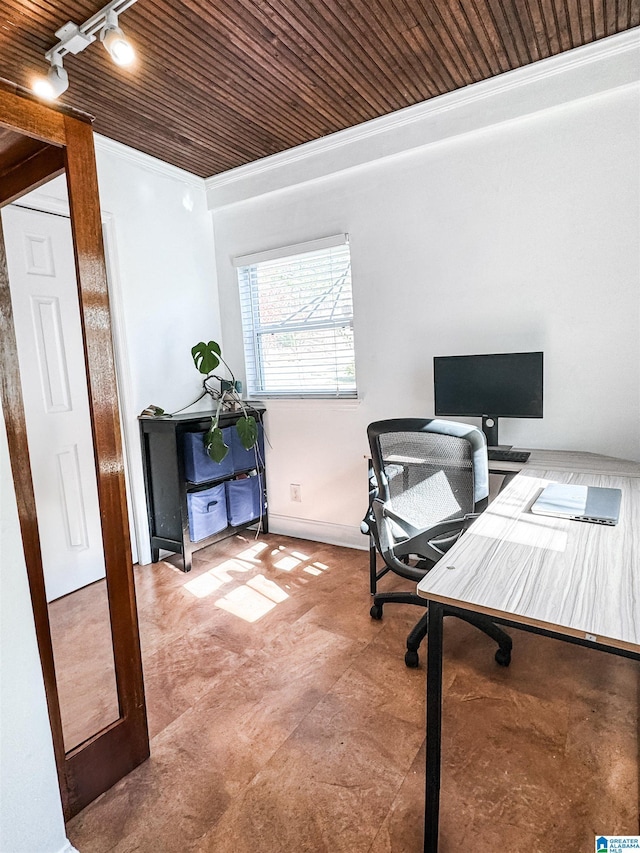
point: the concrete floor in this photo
(283, 720)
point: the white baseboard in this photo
(304, 528)
(318, 531)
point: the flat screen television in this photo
(501, 385)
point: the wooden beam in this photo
(116, 750)
(31, 118)
(36, 170)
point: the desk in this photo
(566, 579)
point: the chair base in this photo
(381, 598)
(419, 632)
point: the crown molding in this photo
(583, 72)
(146, 161)
(42, 199)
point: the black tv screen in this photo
(507, 385)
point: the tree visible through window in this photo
(297, 317)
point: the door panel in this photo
(44, 296)
(49, 347)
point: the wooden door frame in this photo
(67, 146)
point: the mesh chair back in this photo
(429, 476)
(432, 481)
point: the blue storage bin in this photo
(198, 465)
(207, 512)
(243, 499)
(245, 460)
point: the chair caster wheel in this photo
(376, 611)
(411, 659)
(503, 657)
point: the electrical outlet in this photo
(296, 492)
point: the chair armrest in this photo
(422, 543)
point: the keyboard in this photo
(496, 455)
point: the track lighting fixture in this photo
(74, 38)
(117, 46)
(55, 83)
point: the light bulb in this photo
(53, 85)
(115, 42)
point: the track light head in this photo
(54, 84)
(74, 38)
(116, 45)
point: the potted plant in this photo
(207, 357)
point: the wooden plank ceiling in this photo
(219, 83)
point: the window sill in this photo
(310, 403)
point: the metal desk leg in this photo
(373, 568)
(434, 726)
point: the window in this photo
(297, 320)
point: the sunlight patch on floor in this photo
(256, 597)
(316, 568)
(212, 580)
(287, 564)
(247, 603)
(225, 570)
(268, 588)
(204, 585)
(251, 554)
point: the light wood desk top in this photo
(569, 577)
(569, 460)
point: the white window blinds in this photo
(297, 319)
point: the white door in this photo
(44, 297)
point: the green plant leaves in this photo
(248, 431)
(214, 444)
(206, 357)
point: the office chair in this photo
(430, 481)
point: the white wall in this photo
(509, 237)
(163, 288)
(31, 813)
(167, 284)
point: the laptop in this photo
(580, 503)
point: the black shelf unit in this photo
(167, 487)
